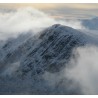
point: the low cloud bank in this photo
(23, 20)
(84, 69)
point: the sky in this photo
(60, 10)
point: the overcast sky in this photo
(60, 10)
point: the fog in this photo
(80, 74)
(84, 69)
(22, 20)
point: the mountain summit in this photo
(48, 51)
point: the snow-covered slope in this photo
(49, 51)
(53, 49)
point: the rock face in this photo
(53, 50)
(49, 51)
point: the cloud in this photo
(85, 10)
(52, 5)
(80, 75)
(83, 69)
(22, 20)
(85, 6)
(14, 22)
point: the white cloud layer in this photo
(21, 20)
(84, 70)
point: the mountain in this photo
(91, 24)
(49, 50)
(28, 57)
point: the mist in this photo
(83, 69)
(24, 20)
